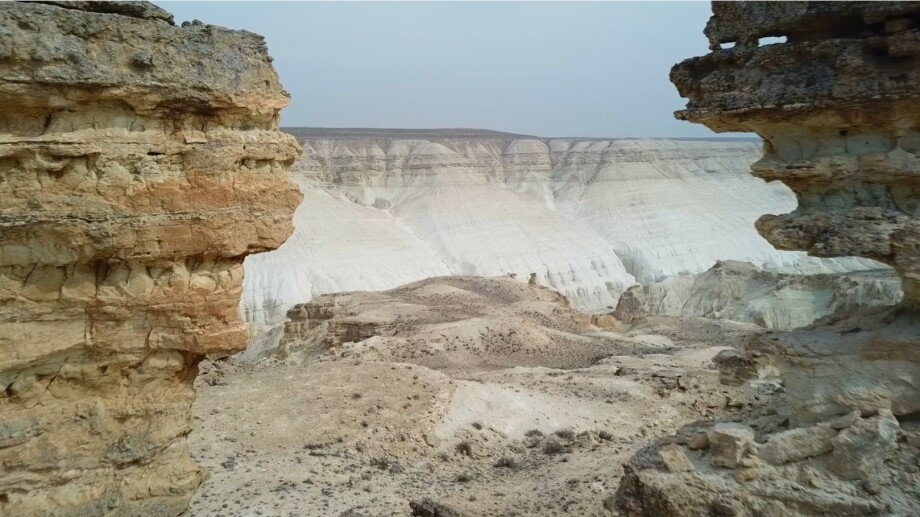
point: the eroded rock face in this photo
(140, 162)
(836, 105)
(588, 217)
(444, 322)
(740, 291)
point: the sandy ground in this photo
(355, 434)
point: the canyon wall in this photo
(740, 291)
(836, 105)
(589, 217)
(140, 162)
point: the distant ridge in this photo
(360, 133)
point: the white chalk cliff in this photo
(740, 291)
(589, 217)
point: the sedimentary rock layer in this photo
(589, 217)
(740, 291)
(140, 162)
(836, 105)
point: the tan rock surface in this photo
(730, 444)
(447, 321)
(483, 395)
(140, 163)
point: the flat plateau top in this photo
(350, 133)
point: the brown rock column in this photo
(837, 107)
(140, 162)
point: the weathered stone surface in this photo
(140, 162)
(797, 444)
(652, 492)
(144, 10)
(730, 443)
(844, 421)
(699, 441)
(912, 438)
(865, 362)
(799, 21)
(836, 105)
(429, 508)
(860, 450)
(675, 459)
(741, 291)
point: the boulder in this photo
(797, 444)
(730, 444)
(675, 459)
(860, 450)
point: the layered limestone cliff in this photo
(140, 162)
(740, 291)
(836, 105)
(589, 217)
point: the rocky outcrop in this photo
(140, 162)
(429, 508)
(444, 322)
(836, 108)
(740, 291)
(836, 105)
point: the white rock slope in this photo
(740, 291)
(589, 217)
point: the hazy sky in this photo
(549, 69)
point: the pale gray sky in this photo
(549, 69)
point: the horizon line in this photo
(353, 132)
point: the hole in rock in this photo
(909, 419)
(771, 40)
(725, 46)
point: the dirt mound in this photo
(481, 396)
